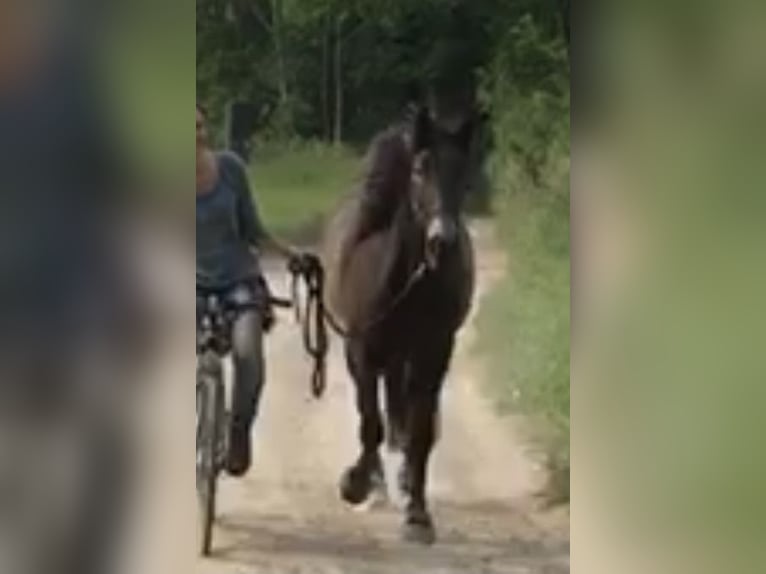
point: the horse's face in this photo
(440, 180)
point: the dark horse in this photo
(400, 281)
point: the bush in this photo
(525, 323)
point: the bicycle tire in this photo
(210, 397)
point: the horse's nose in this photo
(442, 229)
(441, 232)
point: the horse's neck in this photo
(404, 246)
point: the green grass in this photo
(525, 323)
(297, 187)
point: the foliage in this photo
(527, 89)
(526, 322)
(307, 64)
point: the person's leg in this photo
(249, 376)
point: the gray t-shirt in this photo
(228, 228)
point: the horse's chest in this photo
(438, 301)
(433, 306)
(441, 300)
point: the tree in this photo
(342, 69)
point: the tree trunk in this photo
(338, 135)
(325, 87)
(279, 51)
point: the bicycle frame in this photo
(213, 346)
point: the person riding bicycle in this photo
(229, 235)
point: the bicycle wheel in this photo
(209, 406)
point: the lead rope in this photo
(314, 329)
(314, 318)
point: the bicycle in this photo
(214, 324)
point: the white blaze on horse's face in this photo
(441, 232)
(439, 225)
(442, 229)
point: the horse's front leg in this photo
(366, 474)
(429, 369)
(396, 406)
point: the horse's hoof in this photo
(379, 490)
(419, 529)
(355, 486)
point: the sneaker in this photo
(239, 459)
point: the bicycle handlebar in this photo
(280, 302)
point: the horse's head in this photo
(440, 180)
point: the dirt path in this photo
(286, 517)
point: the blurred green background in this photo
(672, 184)
(149, 76)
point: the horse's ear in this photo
(423, 130)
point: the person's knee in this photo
(248, 336)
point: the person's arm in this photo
(282, 249)
(254, 230)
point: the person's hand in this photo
(303, 263)
(295, 263)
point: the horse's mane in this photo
(385, 179)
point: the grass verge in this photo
(296, 188)
(524, 323)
